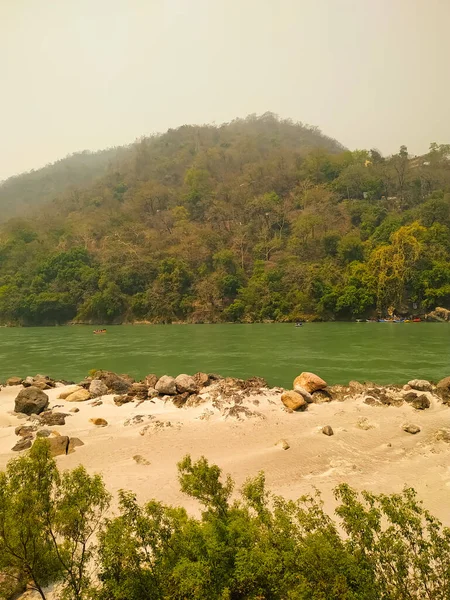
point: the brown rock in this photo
(99, 422)
(79, 396)
(138, 390)
(151, 380)
(22, 444)
(180, 399)
(74, 410)
(14, 381)
(25, 430)
(321, 396)
(293, 401)
(52, 418)
(443, 390)
(202, 379)
(70, 390)
(140, 460)
(74, 443)
(409, 428)
(124, 399)
(327, 430)
(310, 382)
(421, 403)
(58, 445)
(443, 435)
(283, 444)
(31, 400)
(410, 396)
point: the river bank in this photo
(135, 433)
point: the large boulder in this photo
(310, 382)
(166, 385)
(186, 383)
(420, 384)
(31, 401)
(58, 445)
(293, 401)
(97, 388)
(79, 396)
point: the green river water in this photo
(338, 352)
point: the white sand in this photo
(383, 458)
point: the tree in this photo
(48, 521)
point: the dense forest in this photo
(259, 219)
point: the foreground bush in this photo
(253, 546)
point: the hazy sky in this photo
(79, 74)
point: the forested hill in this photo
(27, 191)
(259, 219)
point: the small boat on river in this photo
(99, 331)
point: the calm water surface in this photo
(339, 352)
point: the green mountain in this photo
(258, 219)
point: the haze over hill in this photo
(259, 219)
(100, 73)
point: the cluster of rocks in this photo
(33, 403)
(419, 393)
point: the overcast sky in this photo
(79, 74)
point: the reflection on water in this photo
(339, 352)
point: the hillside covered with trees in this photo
(259, 219)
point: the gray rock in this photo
(43, 433)
(306, 395)
(31, 400)
(186, 383)
(327, 430)
(410, 428)
(97, 388)
(420, 384)
(166, 385)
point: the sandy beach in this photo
(369, 449)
